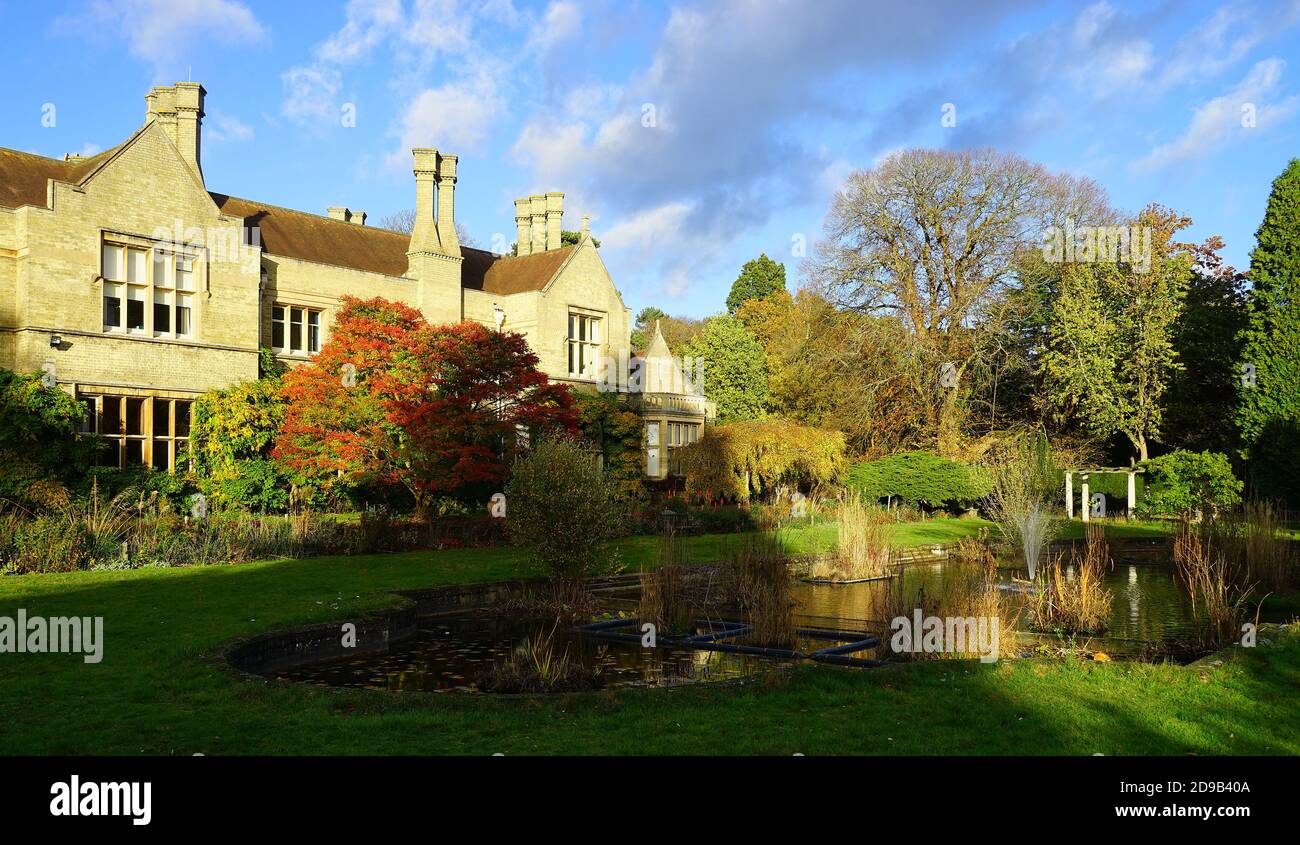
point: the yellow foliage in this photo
(755, 457)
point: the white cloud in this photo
(224, 127)
(590, 101)
(502, 12)
(165, 32)
(439, 27)
(655, 233)
(1224, 39)
(456, 116)
(553, 148)
(650, 230)
(310, 94)
(368, 23)
(1091, 22)
(1219, 121)
(561, 22)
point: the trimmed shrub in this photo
(725, 520)
(920, 478)
(1113, 484)
(1190, 483)
(760, 457)
(564, 511)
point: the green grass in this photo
(158, 690)
(803, 539)
(1121, 529)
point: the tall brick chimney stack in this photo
(523, 227)
(178, 109)
(554, 219)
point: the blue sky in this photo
(696, 134)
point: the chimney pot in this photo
(424, 234)
(447, 204)
(523, 227)
(554, 219)
(178, 109)
(537, 205)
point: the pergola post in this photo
(1132, 493)
(1086, 505)
(1069, 494)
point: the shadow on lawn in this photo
(156, 692)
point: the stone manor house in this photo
(136, 288)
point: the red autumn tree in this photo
(431, 408)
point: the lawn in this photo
(159, 691)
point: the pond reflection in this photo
(1150, 614)
(453, 652)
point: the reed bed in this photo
(1216, 575)
(538, 664)
(1072, 600)
(759, 581)
(130, 530)
(968, 590)
(865, 544)
(1271, 560)
(666, 589)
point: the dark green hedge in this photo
(920, 478)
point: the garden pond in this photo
(449, 648)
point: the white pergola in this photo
(1131, 472)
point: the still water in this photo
(1148, 604)
(451, 652)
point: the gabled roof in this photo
(311, 237)
(24, 177)
(285, 232)
(506, 274)
(324, 240)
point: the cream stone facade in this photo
(136, 289)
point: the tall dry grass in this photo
(1213, 569)
(538, 664)
(757, 575)
(969, 590)
(665, 589)
(865, 544)
(1073, 600)
(1271, 560)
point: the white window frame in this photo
(311, 327)
(582, 347)
(152, 276)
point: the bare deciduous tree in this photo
(932, 237)
(404, 221)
